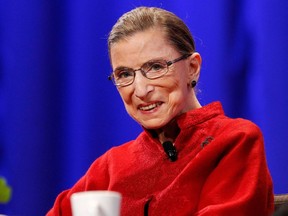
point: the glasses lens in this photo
(155, 69)
(123, 76)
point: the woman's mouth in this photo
(150, 106)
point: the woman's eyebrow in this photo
(122, 68)
(150, 60)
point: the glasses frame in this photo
(168, 63)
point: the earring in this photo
(193, 83)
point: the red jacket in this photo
(221, 170)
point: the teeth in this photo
(149, 107)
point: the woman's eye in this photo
(157, 66)
(124, 74)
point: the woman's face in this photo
(154, 103)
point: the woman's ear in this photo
(195, 62)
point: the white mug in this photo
(96, 203)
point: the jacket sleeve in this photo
(96, 178)
(240, 184)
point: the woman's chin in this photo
(153, 125)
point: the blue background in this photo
(58, 111)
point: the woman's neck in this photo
(169, 132)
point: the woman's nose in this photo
(142, 85)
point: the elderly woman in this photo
(189, 159)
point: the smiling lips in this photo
(149, 107)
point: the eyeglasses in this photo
(153, 69)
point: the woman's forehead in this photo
(142, 46)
